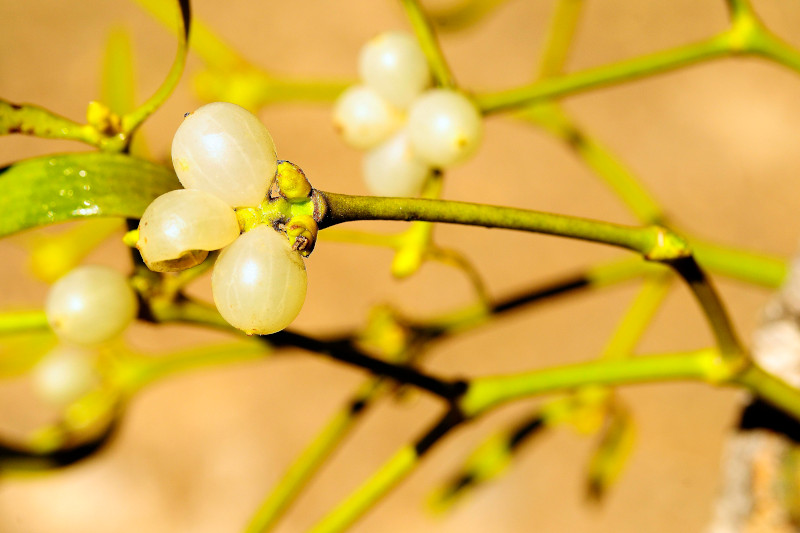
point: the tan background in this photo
(717, 144)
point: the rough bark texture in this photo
(760, 490)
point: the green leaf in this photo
(50, 189)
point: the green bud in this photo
(385, 335)
(302, 233)
(99, 116)
(292, 182)
(668, 246)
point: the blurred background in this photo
(715, 143)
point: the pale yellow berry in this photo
(393, 169)
(259, 282)
(65, 374)
(394, 65)
(445, 127)
(225, 150)
(364, 118)
(178, 226)
(90, 305)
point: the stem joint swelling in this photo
(666, 246)
(745, 34)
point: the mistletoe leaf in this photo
(45, 190)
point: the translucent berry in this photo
(364, 118)
(91, 304)
(259, 282)
(393, 169)
(65, 374)
(444, 127)
(393, 64)
(180, 227)
(225, 150)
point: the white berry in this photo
(180, 225)
(364, 118)
(225, 150)
(259, 282)
(91, 304)
(65, 374)
(393, 64)
(393, 169)
(444, 127)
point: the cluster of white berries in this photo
(406, 128)
(225, 158)
(85, 308)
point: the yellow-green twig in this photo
(133, 372)
(429, 44)
(560, 33)
(312, 458)
(360, 501)
(131, 121)
(605, 75)
(21, 321)
(33, 120)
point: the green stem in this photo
(342, 349)
(771, 389)
(312, 458)
(464, 14)
(457, 260)
(172, 285)
(131, 121)
(492, 456)
(135, 372)
(118, 82)
(19, 321)
(33, 120)
(486, 393)
(766, 44)
(191, 312)
(561, 31)
(739, 8)
(706, 365)
(638, 317)
(653, 242)
(473, 316)
(428, 43)
(752, 267)
(385, 479)
(606, 274)
(605, 75)
(211, 48)
(717, 316)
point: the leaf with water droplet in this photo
(44, 190)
